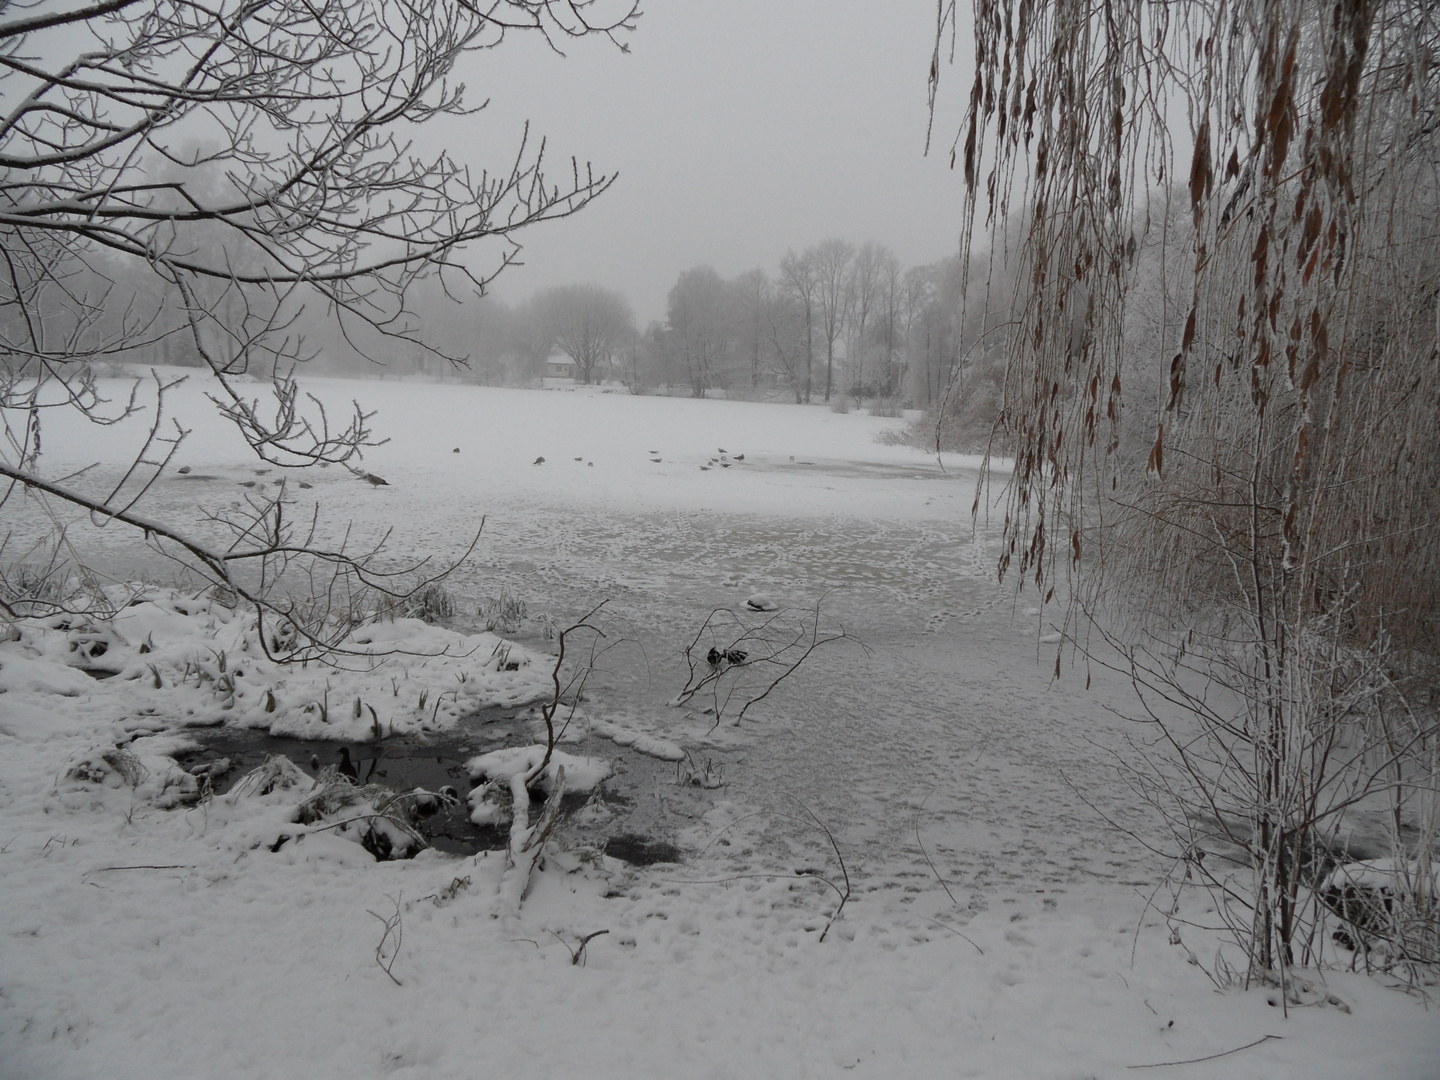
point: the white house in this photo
(560, 366)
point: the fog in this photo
(738, 130)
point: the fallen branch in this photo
(1208, 1057)
(962, 937)
(934, 871)
(577, 954)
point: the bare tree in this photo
(799, 283)
(589, 324)
(531, 336)
(892, 322)
(698, 317)
(1275, 528)
(253, 156)
(831, 260)
(863, 289)
(918, 285)
(658, 361)
(933, 299)
(751, 292)
(787, 339)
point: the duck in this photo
(346, 767)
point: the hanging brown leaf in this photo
(1200, 176)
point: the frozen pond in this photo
(947, 719)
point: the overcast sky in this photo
(739, 129)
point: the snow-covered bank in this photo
(155, 942)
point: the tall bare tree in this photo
(799, 282)
(788, 342)
(751, 293)
(831, 260)
(892, 323)
(863, 289)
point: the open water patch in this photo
(641, 850)
(630, 817)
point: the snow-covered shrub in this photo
(378, 818)
(34, 589)
(886, 407)
(505, 612)
(434, 604)
(145, 767)
(276, 773)
(110, 767)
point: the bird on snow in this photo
(538, 461)
(183, 469)
(722, 450)
(739, 457)
(456, 450)
(656, 460)
(579, 459)
(704, 468)
(375, 481)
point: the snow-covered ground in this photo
(997, 923)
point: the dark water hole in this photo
(437, 761)
(641, 850)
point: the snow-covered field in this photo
(996, 926)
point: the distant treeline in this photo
(835, 322)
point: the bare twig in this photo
(393, 928)
(1208, 1057)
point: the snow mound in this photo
(581, 773)
(500, 772)
(652, 745)
(146, 770)
(191, 659)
